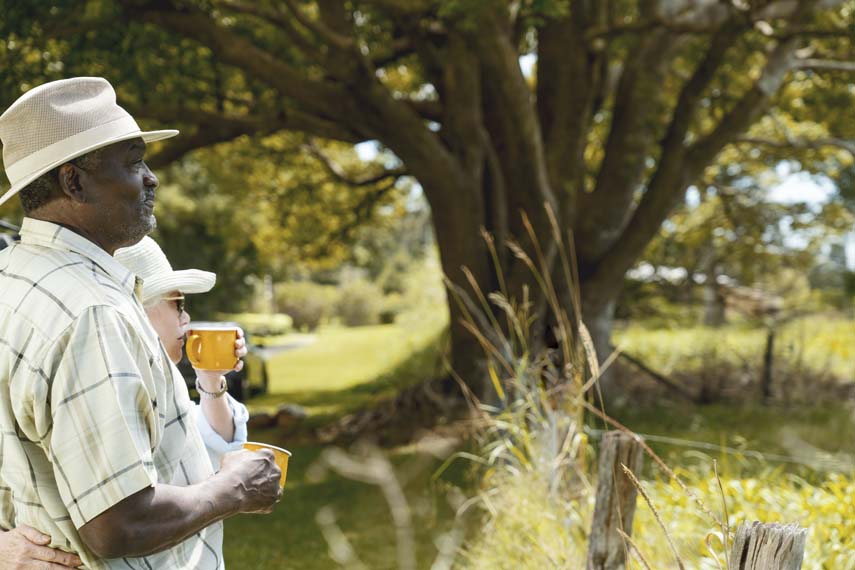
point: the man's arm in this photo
(161, 516)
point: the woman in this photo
(222, 421)
(220, 418)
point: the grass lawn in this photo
(349, 368)
(290, 539)
(819, 344)
(346, 369)
(807, 440)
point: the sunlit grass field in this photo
(777, 463)
(820, 344)
(343, 370)
(346, 369)
(532, 530)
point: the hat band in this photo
(66, 149)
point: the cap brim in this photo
(146, 136)
(187, 281)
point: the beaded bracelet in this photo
(212, 395)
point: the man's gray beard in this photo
(135, 233)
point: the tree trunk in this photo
(599, 319)
(461, 246)
(713, 299)
(768, 362)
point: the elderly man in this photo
(98, 449)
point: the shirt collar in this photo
(54, 236)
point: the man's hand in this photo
(25, 548)
(161, 516)
(254, 478)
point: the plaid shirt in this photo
(91, 408)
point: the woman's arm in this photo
(217, 411)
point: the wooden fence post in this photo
(768, 547)
(615, 506)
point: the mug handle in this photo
(194, 349)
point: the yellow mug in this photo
(211, 346)
(280, 455)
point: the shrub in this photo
(261, 324)
(360, 303)
(308, 304)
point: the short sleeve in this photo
(105, 419)
(214, 442)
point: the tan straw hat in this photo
(148, 262)
(58, 121)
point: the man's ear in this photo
(70, 183)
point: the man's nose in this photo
(150, 179)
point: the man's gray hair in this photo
(46, 187)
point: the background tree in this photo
(731, 228)
(629, 103)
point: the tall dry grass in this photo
(536, 498)
(538, 479)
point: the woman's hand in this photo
(210, 379)
(25, 548)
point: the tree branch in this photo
(203, 137)
(678, 168)
(569, 78)
(428, 109)
(277, 19)
(360, 211)
(740, 117)
(699, 18)
(825, 65)
(321, 30)
(324, 99)
(337, 172)
(396, 50)
(639, 97)
(510, 115)
(800, 143)
(284, 119)
(397, 8)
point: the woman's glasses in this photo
(179, 303)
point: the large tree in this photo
(627, 105)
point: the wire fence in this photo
(816, 462)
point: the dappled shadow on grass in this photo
(290, 538)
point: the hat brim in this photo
(187, 281)
(146, 136)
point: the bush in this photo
(309, 304)
(360, 303)
(261, 324)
